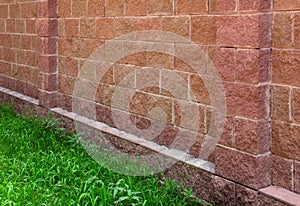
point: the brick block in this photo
(255, 5)
(246, 196)
(79, 8)
(34, 76)
(47, 45)
(9, 54)
(227, 138)
(87, 28)
(30, 26)
(160, 60)
(14, 10)
(26, 42)
(282, 30)
(164, 104)
(49, 8)
(64, 8)
(220, 6)
(10, 25)
(252, 136)
(4, 11)
(147, 79)
(204, 29)
(32, 90)
(68, 66)
(136, 7)
(286, 4)
(20, 26)
(191, 6)
(32, 58)
(16, 41)
(244, 31)
(296, 105)
(72, 27)
(199, 92)
(49, 82)
(191, 116)
(96, 8)
(25, 10)
(114, 8)
(174, 84)
(297, 30)
(124, 75)
(253, 66)
(61, 27)
(177, 25)
(65, 46)
(24, 73)
(5, 68)
(252, 171)
(21, 58)
(47, 64)
(224, 60)
(124, 26)
(139, 104)
(20, 86)
(47, 27)
(104, 115)
(297, 177)
(246, 100)
(280, 103)
(105, 28)
(285, 67)
(66, 84)
(47, 99)
(285, 140)
(2, 25)
(160, 7)
(282, 172)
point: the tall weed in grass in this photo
(42, 165)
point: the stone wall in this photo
(19, 46)
(285, 95)
(246, 54)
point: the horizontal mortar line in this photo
(243, 152)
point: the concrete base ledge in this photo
(284, 196)
(197, 174)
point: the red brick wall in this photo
(251, 43)
(19, 46)
(285, 94)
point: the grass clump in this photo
(41, 165)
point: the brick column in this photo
(244, 40)
(47, 34)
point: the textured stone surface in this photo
(282, 172)
(296, 105)
(232, 31)
(285, 67)
(297, 177)
(247, 169)
(252, 136)
(285, 141)
(191, 6)
(287, 4)
(280, 98)
(246, 196)
(282, 30)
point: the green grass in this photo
(41, 165)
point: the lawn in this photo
(42, 165)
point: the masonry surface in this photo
(254, 45)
